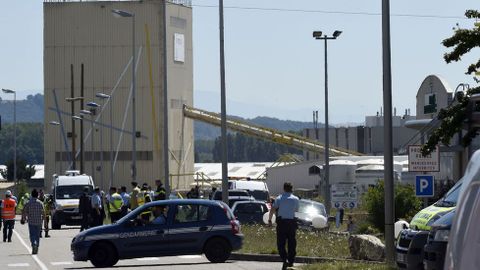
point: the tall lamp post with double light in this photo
(9, 91)
(318, 35)
(91, 113)
(104, 97)
(93, 109)
(56, 124)
(126, 14)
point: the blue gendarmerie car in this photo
(163, 228)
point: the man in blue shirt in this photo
(285, 207)
(159, 213)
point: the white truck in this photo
(257, 189)
(67, 190)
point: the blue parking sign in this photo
(424, 185)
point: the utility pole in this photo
(72, 110)
(223, 108)
(387, 135)
(82, 144)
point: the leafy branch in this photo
(454, 118)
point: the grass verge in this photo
(262, 239)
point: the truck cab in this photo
(67, 190)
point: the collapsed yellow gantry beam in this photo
(265, 133)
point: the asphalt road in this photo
(54, 253)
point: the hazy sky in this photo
(273, 62)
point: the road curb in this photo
(298, 259)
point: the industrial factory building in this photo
(86, 33)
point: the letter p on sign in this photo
(424, 185)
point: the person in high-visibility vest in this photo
(115, 203)
(48, 207)
(8, 216)
(23, 200)
(146, 199)
(134, 196)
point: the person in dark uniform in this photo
(160, 192)
(285, 207)
(85, 208)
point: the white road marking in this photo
(35, 257)
(18, 265)
(148, 259)
(190, 256)
(61, 263)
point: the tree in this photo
(454, 117)
(406, 204)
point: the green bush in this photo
(406, 204)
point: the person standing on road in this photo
(8, 216)
(48, 206)
(126, 200)
(97, 208)
(115, 203)
(85, 208)
(286, 205)
(135, 196)
(33, 213)
(160, 192)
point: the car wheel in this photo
(217, 250)
(103, 255)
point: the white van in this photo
(257, 189)
(67, 190)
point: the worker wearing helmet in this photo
(8, 216)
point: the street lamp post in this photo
(109, 97)
(91, 113)
(9, 91)
(79, 118)
(318, 35)
(56, 124)
(93, 109)
(122, 13)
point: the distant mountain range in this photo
(31, 110)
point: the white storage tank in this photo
(342, 171)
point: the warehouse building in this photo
(87, 33)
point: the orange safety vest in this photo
(8, 210)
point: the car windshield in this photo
(70, 192)
(451, 198)
(311, 208)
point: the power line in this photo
(424, 16)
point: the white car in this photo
(307, 210)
